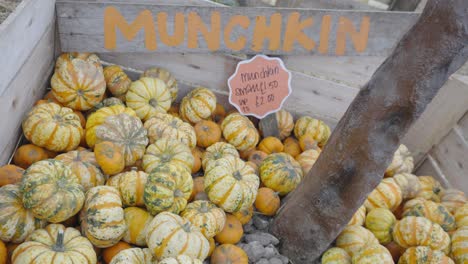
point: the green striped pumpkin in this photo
(217, 151)
(131, 186)
(435, 212)
(167, 150)
(197, 105)
(240, 132)
(280, 172)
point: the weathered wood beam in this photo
(362, 145)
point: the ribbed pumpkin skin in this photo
(197, 105)
(409, 184)
(336, 255)
(102, 218)
(147, 97)
(285, 123)
(137, 221)
(127, 131)
(424, 255)
(78, 84)
(460, 245)
(84, 165)
(167, 150)
(373, 254)
(354, 238)
(437, 213)
(227, 253)
(386, 195)
(430, 188)
(69, 56)
(98, 117)
(51, 191)
(16, 222)
(108, 102)
(182, 259)
(168, 188)
(317, 128)
(167, 126)
(307, 159)
(117, 81)
(359, 217)
(39, 247)
(134, 256)
(53, 127)
(419, 231)
(169, 235)
(206, 216)
(166, 77)
(461, 216)
(280, 172)
(452, 199)
(231, 184)
(380, 222)
(402, 162)
(217, 151)
(131, 186)
(240, 132)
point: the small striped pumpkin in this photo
(317, 128)
(69, 56)
(217, 151)
(102, 218)
(166, 150)
(285, 123)
(206, 216)
(435, 212)
(387, 195)
(167, 126)
(134, 256)
(240, 132)
(452, 199)
(373, 254)
(424, 255)
(460, 245)
(182, 259)
(168, 188)
(336, 255)
(169, 235)
(166, 77)
(354, 238)
(197, 105)
(380, 222)
(137, 220)
(461, 216)
(117, 81)
(402, 162)
(131, 186)
(307, 159)
(147, 97)
(359, 217)
(409, 184)
(414, 231)
(430, 188)
(280, 172)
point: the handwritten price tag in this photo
(259, 86)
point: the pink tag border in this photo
(248, 61)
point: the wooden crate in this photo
(323, 86)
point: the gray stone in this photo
(270, 251)
(249, 227)
(260, 223)
(284, 259)
(275, 261)
(263, 261)
(264, 238)
(254, 251)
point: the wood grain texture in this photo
(80, 28)
(463, 125)
(430, 167)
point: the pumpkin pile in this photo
(116, 171)
(406, 220)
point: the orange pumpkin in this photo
(3, 253)
(212, 246)
(244, 215)
(110, 157)
(218, 114)
(10, 174)
(208, 133)
(307, 142)
(257, 156)
(197, 154)
(245, 154)
(110, 252)
(232, 231)
(49, 97)
(229, 254)
(270, 145)
(292, 147)
(198, 187)
(28, 154)
(267, 201)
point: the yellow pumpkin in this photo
(461, 216)
(386, 195)
(55, 244)
(452, 199)
(414, 231)
(134, 256)
(137, 221)
(147, 97)
(430, 188)
(51, 191)
(231, 184)
(380, 222)
(373, 254)
(110, 157)
(292, 147)
(197, 105)
(232, 231)
(460, 245)
(270, 145)
(131, 187)
(206, 216)
(167, 126)
(336, 255)
(240, 132)
(228, 253)
(409, 184)
(267, 201)
(69, 56)
(280, 172)
(167, 150)
(285, 123)
(53, 127)
(402, 162)
(217, 151)
(102, 218)
(359, 217)
(169, 235)
(98, 117)
(197, 154)
(84, 165)
(208, 133)
(435, 212)
(416, 255)
(117, 81)
(78, 84)
(10, 174)
(354, 238)
(166, 77)
(307, 159)
(317, 128)
(245, 215)
(28, 154)
(168, 188)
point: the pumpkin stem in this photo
(237, 175)
(153, 102)
(59, 247)
(203, 207)
(134, 169)
(186, 227)
(178, 193)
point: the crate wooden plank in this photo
(81, 29)
(19, 33)
(27, 86)
(429, 167)
(463, 125)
